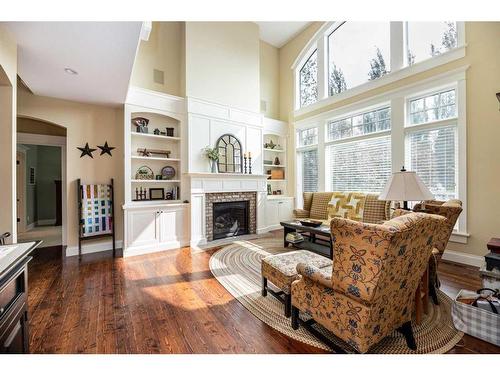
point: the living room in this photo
(252, 186)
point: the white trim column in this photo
(462, 152)
(322, 68)
(398, 132)
(397, 45)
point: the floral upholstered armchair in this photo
(450, 210)
(369, 292)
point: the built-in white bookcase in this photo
(154, 225)
(162, 111)
(277, 132)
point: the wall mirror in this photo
(230, 154)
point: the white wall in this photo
(208, 121)
(8, 93)
(222, 63)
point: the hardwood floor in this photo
(167, 302)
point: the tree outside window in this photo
(429, 39)
(309, 81)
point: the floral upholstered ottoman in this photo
(281, 270)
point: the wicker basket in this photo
(144, 173)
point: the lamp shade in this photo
(405, 186)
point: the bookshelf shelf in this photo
(137, 157)
(154, 181)
(162, 137)
(275, 132)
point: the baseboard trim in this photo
(198, 242)
(93, 248)
(45, 222)
(269, 228)
(140, 250)
(463, 258)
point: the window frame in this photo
(430, 127)
(399, 101)
(399, 69)
(327, 142)
(299, 162)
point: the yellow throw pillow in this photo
(347, 206)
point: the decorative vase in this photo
(213, 166)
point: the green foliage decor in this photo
(211, 153)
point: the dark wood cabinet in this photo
(14, 337)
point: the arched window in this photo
(229, 148)
(308, 80)
(346, 55)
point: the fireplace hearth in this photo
(230, 219)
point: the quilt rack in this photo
(96, 213)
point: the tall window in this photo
(434, 107)
(432, 151)
(307, 137)
(307, 141)
(357, 52)
(310, 170)
(309, 80)
(358, 152)
(365, 123)
(428, 39)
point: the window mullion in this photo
(397, 46)
(322, 68)
(321, 158)
(397, 133)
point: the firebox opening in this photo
(230, 219)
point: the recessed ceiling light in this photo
(71, 71)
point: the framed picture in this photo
(156, 194)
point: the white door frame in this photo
(52, 140)
(21, 208)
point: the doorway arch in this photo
(40, 132)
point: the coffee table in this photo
(317, 240)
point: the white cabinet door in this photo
(142, 228)
(272, 214)
(172, 226)
(285, 210)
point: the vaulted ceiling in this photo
(102, 53)
(279, 33)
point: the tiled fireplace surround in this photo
(212, 198)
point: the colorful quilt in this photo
(97, 216)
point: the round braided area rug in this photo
(237, 268)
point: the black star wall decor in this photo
(86, 150)
(106, 149)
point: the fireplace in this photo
(230, 219)
(230, 214)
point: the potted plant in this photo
(213, 156)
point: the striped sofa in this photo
(362, 207)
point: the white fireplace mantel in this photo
(226, 175)
(226, 182)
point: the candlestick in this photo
(245, 162)
(249, 165)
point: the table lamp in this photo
(405, 186)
